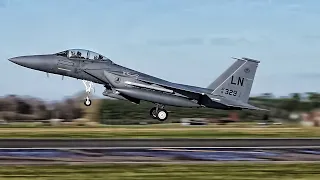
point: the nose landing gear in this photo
(87, 101)
(159, 113)
(89, 86)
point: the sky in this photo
(183, 41)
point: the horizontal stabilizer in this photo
(250, 107)
(234, 103)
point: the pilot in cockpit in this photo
(78, 54)
(73, 55)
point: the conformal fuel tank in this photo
(159, 97)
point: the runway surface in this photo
(159, 143)
(66, 151)
(156, 155)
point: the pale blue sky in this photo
(185, 41)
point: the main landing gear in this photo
(89, 87)
(159, 113)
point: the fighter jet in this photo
(230, 91)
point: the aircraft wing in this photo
(175, 86)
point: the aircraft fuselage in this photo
(85, 69)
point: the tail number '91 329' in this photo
(228, 92)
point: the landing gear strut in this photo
(88, 85)
(159, 113)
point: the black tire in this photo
(87, 102)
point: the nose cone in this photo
(37, 62)
(17, 60)
(26, 61)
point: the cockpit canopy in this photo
(83, 54)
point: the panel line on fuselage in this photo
(63, 69)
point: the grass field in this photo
(158, 131)
(156, 172)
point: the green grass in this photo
(158, 131)
(156, 172)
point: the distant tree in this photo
(67, 113)
(42, 111)
(292, 103)
(314, 98)
(10, 103)
(23, 107)
(296, 97)
(2, 105)
(77, 112)
(288, 105)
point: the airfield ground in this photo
(306, 171)
(130, 170)
(160, 131)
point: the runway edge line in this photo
(156, 143)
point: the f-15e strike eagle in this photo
(230, 91)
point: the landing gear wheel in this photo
(87, 102)
(162, 115)
(153, 112)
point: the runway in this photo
(97, 151)
(156, 155)
(161, 143)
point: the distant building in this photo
(295, 116)
(311, 119)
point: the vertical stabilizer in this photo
(236, 84)
(228, 72)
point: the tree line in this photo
(13, 108)
(124, 112)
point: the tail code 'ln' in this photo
(236, 82)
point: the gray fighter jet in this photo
(230, 91)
